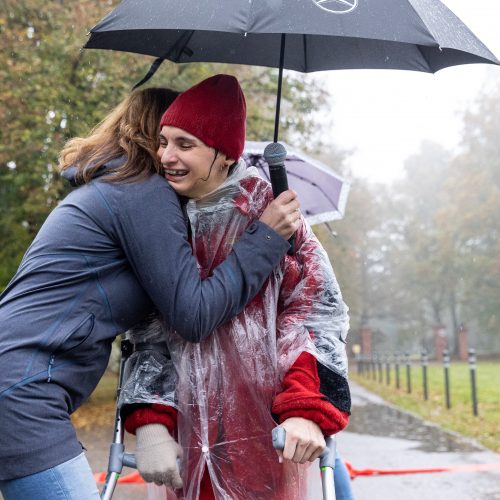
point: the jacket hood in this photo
(70, 173)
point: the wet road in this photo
(379, 436)
(382, 437)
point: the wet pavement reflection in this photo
(394, 423)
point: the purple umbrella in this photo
(322, 192)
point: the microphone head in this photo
(275, 154)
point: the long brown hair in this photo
(131, 130)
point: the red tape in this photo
(135, 477)
(354, 473)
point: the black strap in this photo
(152, 70)
(174, 54)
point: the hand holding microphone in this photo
(275, 156)
(282, 214)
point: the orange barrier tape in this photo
(135, 477)
(100, 477)
(354, 473)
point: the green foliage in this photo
(51, 90)
(470, 217)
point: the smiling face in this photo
(191, 167)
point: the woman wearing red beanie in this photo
(282, 359)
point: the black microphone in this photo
(275, 156)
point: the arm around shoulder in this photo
(152, 230)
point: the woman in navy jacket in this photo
(113, 250)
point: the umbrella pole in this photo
(280, 81)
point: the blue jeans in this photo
(343, 490)
(71, 480)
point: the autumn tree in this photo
(51, 90)
(470, 220)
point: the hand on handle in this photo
(303, 440)
(157, 456)
(327, 457)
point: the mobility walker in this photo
(119, 459)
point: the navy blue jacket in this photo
(107, 256)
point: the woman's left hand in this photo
(304, 441)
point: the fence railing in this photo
(376, 365)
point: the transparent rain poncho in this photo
(224, 386)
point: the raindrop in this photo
(49, 117)
(63, 123)
(11, 165)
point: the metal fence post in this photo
(379, 364)
(425, 362)
(396, 367)
(387, 369)
(472, 367)
(408, 373)
(446, 363)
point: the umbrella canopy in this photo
(419, 35)
(322, 192)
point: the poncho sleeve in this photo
(150, 376)
(313, 318)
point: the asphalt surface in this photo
(379, 436)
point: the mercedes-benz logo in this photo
(337, 6)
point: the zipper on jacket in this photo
(49, 370)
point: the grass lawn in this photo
(485, 428)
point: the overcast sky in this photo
(384, 115)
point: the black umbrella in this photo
(418, 35)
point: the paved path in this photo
(379, 436)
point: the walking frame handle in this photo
(326, 460)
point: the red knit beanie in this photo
(214, 111)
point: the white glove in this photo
(156, 454)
